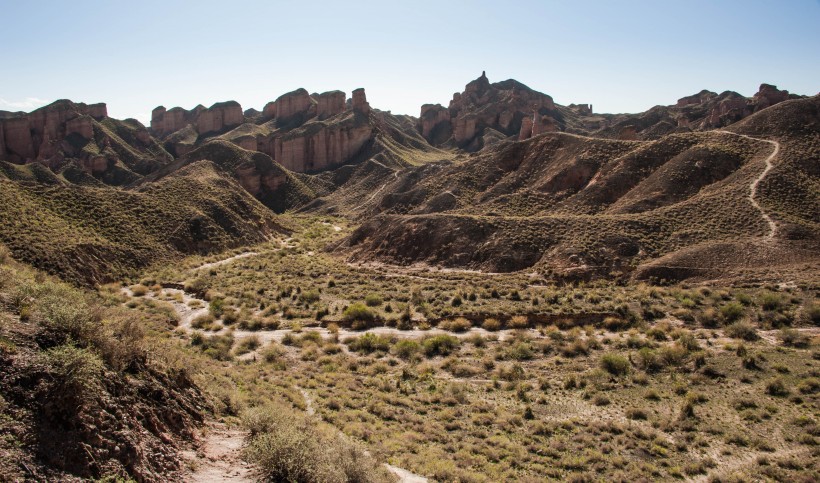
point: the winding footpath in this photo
(753, 186)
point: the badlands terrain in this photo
(503, 288)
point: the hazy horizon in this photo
(624, 57)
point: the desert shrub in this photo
(649, 361)
(310, 296)
(406, 349)
(708, 317)
(459, 324)
(287, 446)
(369, 343)
(794, 338)
(636, 414)
(203, 321)
(359, 316)
(274, 354)
(139, 290)
(491, 324)
(776, 387)
(615, 364)
(248, 344)
(813, 313)
(439, 345)
(731, 312)
(809, 385)
(122, 346)
(373, 300)
(216, 307)
(742, 330)
(601, 400)
(215, 346)
(771, 301)
(511, 373)
(520, 351)
(230, 317)
(518, 322)
(614, 324)
(75, 376)
(65, 312)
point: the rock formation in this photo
(288, 105)
(526, 129)
(37, 134)
(328, 104)
(317, 147)
(432, 117)
(483, 106)
(768, 95)
(220, 116)
(360, 103)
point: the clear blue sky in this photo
(621, 56)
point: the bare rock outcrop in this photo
(317, 146)
(432, 118)
(288, 105)
(37, 135)
(220, 116)
(768, 95)
(498, 108)
(359, 102)
(328, 104)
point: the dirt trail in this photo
(756, 182)
(219, 459)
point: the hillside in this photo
(582, 207)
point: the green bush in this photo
(359, 316)
(287, 446)
(742, 330)
(439, 345)
(776, 387)
(217, 307)
(731, 312)
(75, 376)
(368, 343)
(373, 300)
(406, 348)
(615, 364)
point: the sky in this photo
(620, 56)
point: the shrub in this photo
(771, 301)
(248, 344)
(75, 376)
(518, 322)
(216, 307)
(373, 300)
(813, 313)
(636, 414)
(139, 290)
(406, 348)
(203, 321)
(614, 324)
(439, 345)
(491, 325)
(810, 385)
(65, 313)
(368, 343)
(287, 446)
(310, 296)
(742, 330)
(731, 312)
(360, 316)
(794, 338)
(615, 364)
(776, 387)
(459, 324)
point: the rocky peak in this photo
(360, 103)
(768, 95)
(288, 105)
